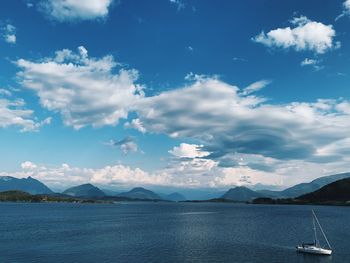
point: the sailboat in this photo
(315, 247)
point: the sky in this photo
(174, 93)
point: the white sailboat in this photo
(315, 247)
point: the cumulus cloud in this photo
(73, 10)
(9, 33)
(227, 120)
(28, 165)
(14, 113)
(83, 89)
(126, 145)
(305, 35)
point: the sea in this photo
(167, 232)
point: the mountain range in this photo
(29, 185)
(241, 194)
(84, 190)
(244, 194)
(175, 197)
(338, 191)
(304, 188)
(140, 193)
(238, 194)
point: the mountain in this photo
(304, 188)
(110, 192)
(84, 190)
(338, 191)
(140, 193)
(241, 194)
(176, 197)
(29, 185)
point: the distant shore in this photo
(24, 197)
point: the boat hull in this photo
(314, 250)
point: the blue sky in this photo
(174, 92)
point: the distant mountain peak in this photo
(138, 189)
(176, 197)
(29, 184)
(140, 193)
(241, 194)
(84, 190)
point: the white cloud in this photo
(135, 124)
(73, 10)
(256, 86)
(129, 147)
(308, 61)
(124, 175)
(10, 39)
(344, 107)
(84, 90)
(5, 92)
(13, 113)
(245, 176)
(63, 176)
(239, 59)
(346, 10)
(313, 63)
(186, 173)
(126, 145)
(28, 165)
(186, 150)
(306, 35)
(179, 4)
(225, 120)
(9, 33)
(346, 5)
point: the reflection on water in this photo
(166, 232)
(197, 213)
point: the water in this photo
(166, 232)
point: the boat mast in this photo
(324, 235)
(315, 231)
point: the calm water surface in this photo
(166, 232)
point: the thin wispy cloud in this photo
(314, 63)
(178, 3)
(256, 86)
(239, 59)
(14, 113)
(9, 33)
(346, 10)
